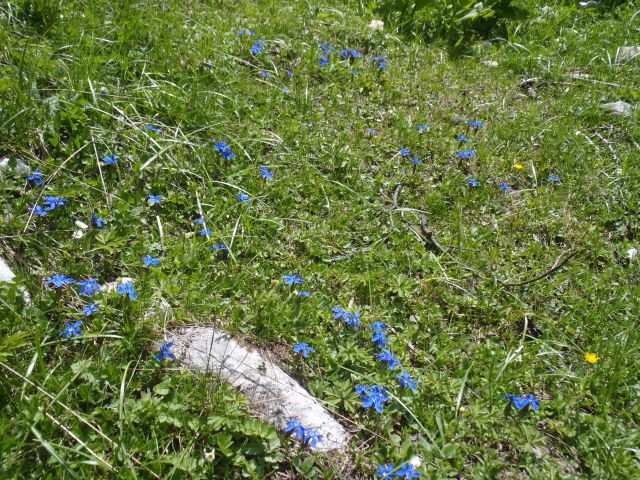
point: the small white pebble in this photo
(376, 25)
(416, 461)
(82, 225)
(632, 253)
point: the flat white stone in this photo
(625, 54)
(7, 276)
(620, 108)
(19, 167)
(273, 395)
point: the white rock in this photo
(589, 3)
(7, 276)
(273, 395)
(490, 63)
(620, 108)
(20, 166)
(625, 54)
(632, 253)
(416, 461)
(376, 25)
(81, 225)
(78, 234)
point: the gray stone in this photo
(273, 395)
(19, 167)
(620, 108)
(626, 54)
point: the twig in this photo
(429, 239)
(396, 192)
(557, 265)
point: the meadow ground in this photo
(454, 253)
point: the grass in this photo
(81, 80)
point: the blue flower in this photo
(150, 261)
(36, 178)
(154, 199)
(266, 173)
(422, 128)
(466, 154)
(407, 381)
(303, 348)
(349, 53)
(38, 210)
(98, 222)
(311, 437)
(289, 72)
(90, 310)
(416, 160)
(296, 429)
(327, 49)
(205, 232)
(504, 187)
(380, 61)
(265, 74)
(243, 198)
(372, 396)
(72, 330)
(293, 279)
(340, 313)
(475, 123)
(257, 47)
(110, 160)
(151, 128)
(354, 73)
(389, 358)
(553, 178)
(89, 287)
(385, 471)
(165, 352)
(286, 90)
(353, 320)
(462, 138)
(379, 337)
(246, 32)
(51, 202)
(59, 281)
(372, 131)
(199, 221)
(405, 152)
(126, 289)
(473, 182)
(225, 150)
(407, 471)
(304, 294)
(523, 402)
(217, 248)
(324, 61)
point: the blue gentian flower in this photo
(286, 90)
(217, 248)
(154, 200)
(504, 187)
(199, 221)
(407, 471)
(51, 202)
(127, 289)
(379, 337)
(165, 352)
(405, 152)
(349, 53)
(150, 261)
(38, 210)
(380, 61)
(36, 178)
(296, 429)
(372, 396)
(72, 330)
(225, 150)
(265, 74)
(293, 279)
(389, 358)
(327, 49)
(353, 320)
(407, 381)
(372, 131)
(462, 138)
(473, 182)
(416, 160)
(553, 178)
(289, 72)
(422, 128)
(340, 313)
(89, 287)
(151, 128)
(324, 61)
(59, 281)
(354, 73)
(385, 471)
(475, 123)
(246, 32)
(466, 154)
(89, 310)
(266, 173)
(205, 232)
(303, 348)
(98, 222)
(304, 294)
(257, 47)
(311, 437)
(110, 160)
(523, 402)
(243, 198)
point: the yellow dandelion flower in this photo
(591, 357)
(518, 166)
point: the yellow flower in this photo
(591, 357)
(518, 166)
